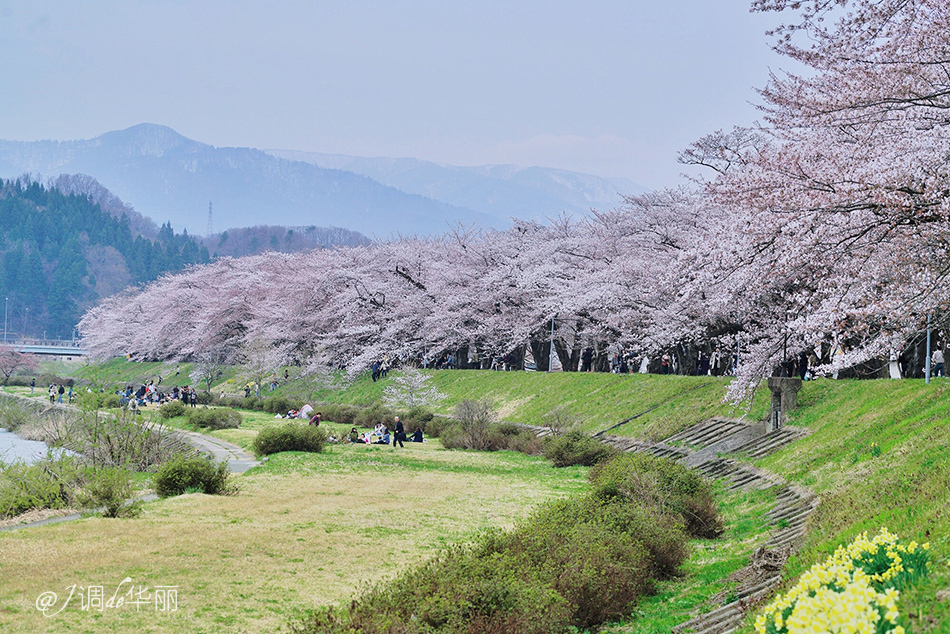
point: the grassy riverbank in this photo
(878, 455)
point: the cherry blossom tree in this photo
(12, 360)
(839, 199)
(208, 366)
(408, 388)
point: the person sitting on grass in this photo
(354, 435)
(417, 436)
(383, 436)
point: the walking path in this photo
(238, 459)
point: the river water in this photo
(13, 448)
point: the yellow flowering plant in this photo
(855, 590)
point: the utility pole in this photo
(551, 352)
(210, 231)
(6, 302)
(735, 368)
(927, 362)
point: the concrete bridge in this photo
(55, 347)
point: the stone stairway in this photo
(701, 447)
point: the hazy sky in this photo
(608, 88)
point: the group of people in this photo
(381, 368)
(56, 393)
(381, 435)
(304, 413)
(150, 393)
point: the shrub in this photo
(42, 381)
(192, 473)
(417, 418)
(662, 484)
(251, 402)
(110, 401)
(570, 566)
(172, 409)
(279, 405)
(576, 448)
(561, 420)
(376, 413)
(107, 440)
(217, 418)
(471, 428)
(436, 426)
(48, 484)
(290, 437)
(515, 438)
(109, 488)
(343, 414)
(13, 414)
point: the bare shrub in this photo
(472, 429)
(562, 419)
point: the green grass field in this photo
(904, 486)
(305, 530)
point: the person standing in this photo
(399, 433)
(32, 385)
(938, 361)
(61, 391)
(587, 359)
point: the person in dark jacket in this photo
(399, 432)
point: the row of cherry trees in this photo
(828, 222)
(602, 280)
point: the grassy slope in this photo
(601, 399)
(906, 487)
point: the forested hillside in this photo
(61, 253)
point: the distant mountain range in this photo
(171, 178)
(503, 191)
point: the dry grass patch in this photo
(305, 530)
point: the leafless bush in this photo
(472, 430)
(125, 439)
(562, 419)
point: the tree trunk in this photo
(541, 350)
(516, 357)
(461, 358)
(568, 358)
